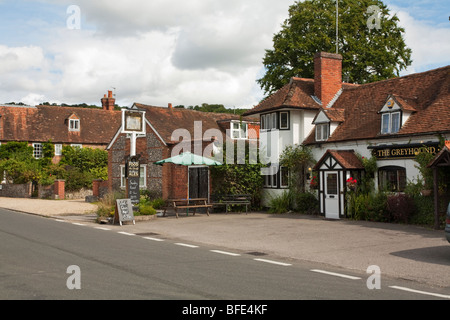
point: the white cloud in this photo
(155, 52)
(161, 51)
(429, 49)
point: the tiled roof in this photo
(298, 94)
(44, 123)
(426, 95)
(346, 158)
(167, 120)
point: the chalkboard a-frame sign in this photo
(124, 211)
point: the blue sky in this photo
(167, 51)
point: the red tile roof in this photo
(44, 123)
(426, 95)
(346, 158)
(167, 120)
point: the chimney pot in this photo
(108, 102)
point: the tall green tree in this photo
(370, 41)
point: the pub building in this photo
(391, 120)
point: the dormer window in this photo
(391, 117)
(390, 122)
(322, 131)
(74, 125)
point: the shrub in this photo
(306, 203)
(107, 205)
(281, 203)
(371, 206)
(400, 207)
(77, 179)
(146, 210)
(158, 203)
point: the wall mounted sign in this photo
(407, 151)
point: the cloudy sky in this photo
(166, 51)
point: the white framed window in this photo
(142, 177)
(284, 120)
(239, 130)
(74, 125)
(390, 122)
(58, 149)
(268, 181)
(38, 151)
(75, 145)
(322, 132)
(274, 120)
(284, 177)
(263, 122)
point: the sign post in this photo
(133, 124)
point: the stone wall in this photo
(16, 190)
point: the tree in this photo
(369, 54)
(298, 159)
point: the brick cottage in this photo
(164, 125)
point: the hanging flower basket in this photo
(314, 184)
(352, 183)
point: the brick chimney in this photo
(170, 106)
(327, 76)
(108, 102)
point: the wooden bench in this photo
(229, 200)
(186, 204)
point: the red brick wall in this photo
(327, 76)
(59, 189)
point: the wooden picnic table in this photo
(186, 204)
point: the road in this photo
(36, 252)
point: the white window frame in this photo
(322, 135)
(241, 135)
(284, 184)
(287, 120)
(58, 149)
(142, 175)
(274, 121)
(389, 116)
(74, 125)
(77, 145)
(38, 151)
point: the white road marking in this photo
(421, 292)
(154, 239)
(101, 228)
(274, 262)
(336, 274)
(225, 252)
(186, 245)
(78, 224)
(59, 220)
(126, 233)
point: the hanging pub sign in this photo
(407, 151)
(133, 171)
(133, 121)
